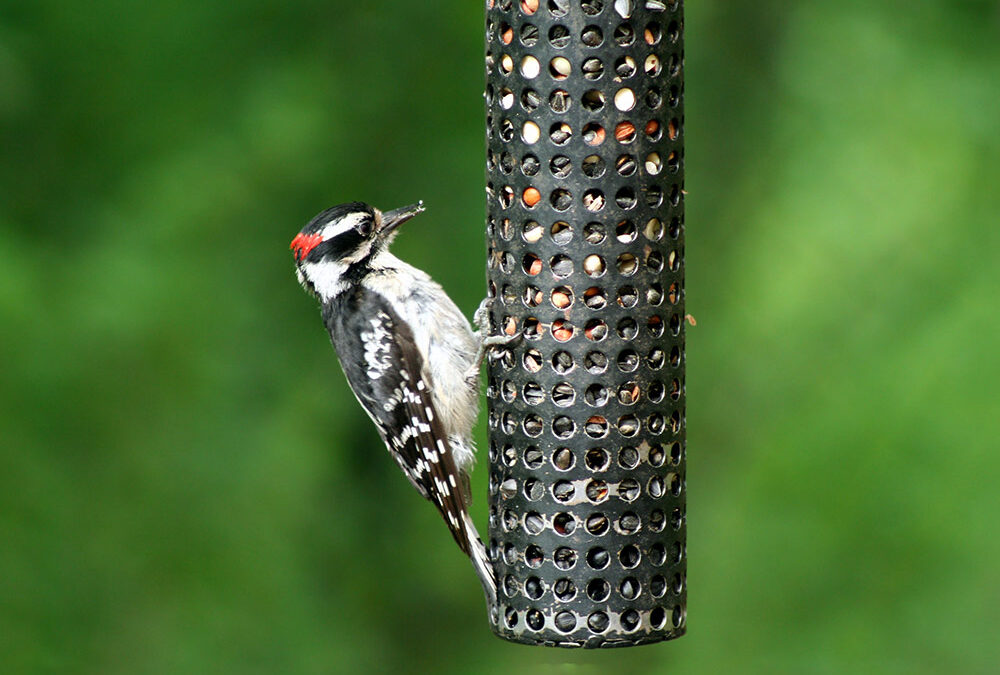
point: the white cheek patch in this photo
(326, 277)
(360, 254)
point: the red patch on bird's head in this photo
(303, 243)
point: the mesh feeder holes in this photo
(584, 105)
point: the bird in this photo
(409, 355)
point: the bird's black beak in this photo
(393, 219)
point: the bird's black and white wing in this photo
(391, 384)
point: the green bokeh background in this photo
(188, 486)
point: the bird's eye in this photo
(364, 228)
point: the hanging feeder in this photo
(587, 527)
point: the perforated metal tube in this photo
(586, 247)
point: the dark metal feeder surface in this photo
(586, 250)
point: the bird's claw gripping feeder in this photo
(584, 111)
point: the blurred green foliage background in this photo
(188, 486)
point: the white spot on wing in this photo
(378, 345)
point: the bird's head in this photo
(343, 237)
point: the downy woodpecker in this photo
(409, 355)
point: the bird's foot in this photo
(486, 345)
(481, 318)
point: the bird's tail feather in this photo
(481, 561)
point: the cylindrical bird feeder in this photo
(586, 262)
